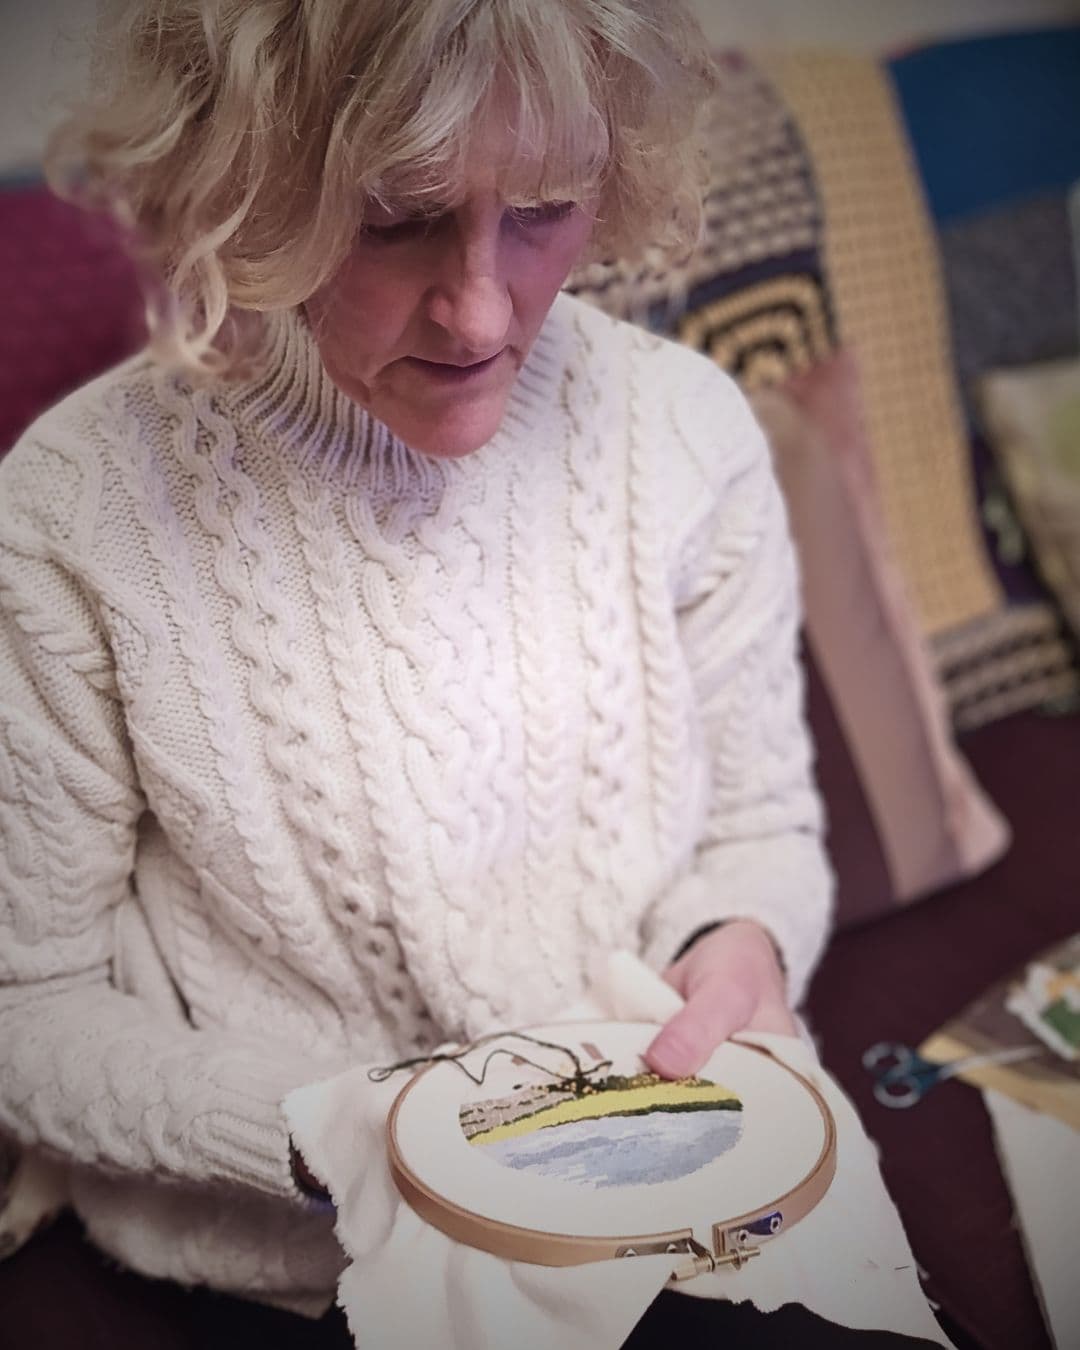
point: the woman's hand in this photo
(732, 981)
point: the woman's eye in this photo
(408, 227)
(543, 213)
(391, 229)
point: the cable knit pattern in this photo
(598, 523)
(314, 750)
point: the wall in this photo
(42, 58)
(42, 48)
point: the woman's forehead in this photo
(523, 157)
(517, 177)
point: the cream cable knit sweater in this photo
(316, 751)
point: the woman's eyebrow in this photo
(413, 210)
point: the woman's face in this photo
(431, 317)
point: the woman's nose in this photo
(471, 298)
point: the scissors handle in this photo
(907, 1077)
(903, 1076)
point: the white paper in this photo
(408, 1284)
(1040, 1157)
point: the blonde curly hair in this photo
(239, 140)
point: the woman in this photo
(396, 636)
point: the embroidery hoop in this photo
(720, 1213)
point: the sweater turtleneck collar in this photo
(293, 400)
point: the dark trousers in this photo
(60, 1293)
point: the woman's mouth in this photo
(451, 372)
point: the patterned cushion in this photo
(753, 293)
(1011, 286)
(762, 331)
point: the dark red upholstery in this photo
(71, 303)
(902, 977)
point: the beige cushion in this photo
(932, 822)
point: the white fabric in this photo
(315, 751)
(408, 1284)
(1040, 1157)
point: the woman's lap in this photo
(60, 1293)
(680, 1319)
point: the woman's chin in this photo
(435, 415)
(451, 432)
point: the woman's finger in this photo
(715, 1009)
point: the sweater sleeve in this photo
(89, 1072)
(761, 855)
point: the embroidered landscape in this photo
(616, 1131)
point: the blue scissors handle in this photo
(904, 1077)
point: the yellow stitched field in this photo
(667, 1096)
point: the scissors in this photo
(904, 1077)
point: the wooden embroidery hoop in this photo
(428, 1155)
